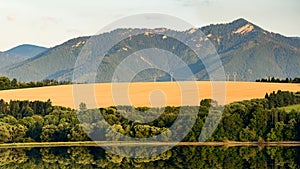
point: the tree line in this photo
(278, 80)
(250, 120)
(282, 99)
(6, 83)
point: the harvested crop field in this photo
(155, 94)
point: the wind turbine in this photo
(234, 76)
(228, 76)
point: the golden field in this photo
(155, 94)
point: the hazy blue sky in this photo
(49, 23)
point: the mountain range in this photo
(245, 50)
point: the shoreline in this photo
(124, 143)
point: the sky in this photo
(50, 23)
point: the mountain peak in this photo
(25, 46)
(26, 50)
(241, 20)
(242, 26)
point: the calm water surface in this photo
(178, 157)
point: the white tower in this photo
(227, 76)
(154, 78)
(249, 74)
(171, 74)
(234, 76)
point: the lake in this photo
(177, 157)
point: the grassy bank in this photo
(290, 108)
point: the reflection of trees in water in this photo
(16, 156)
(178, 157)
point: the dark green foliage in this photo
(21, 109)
(208, 103)
(282, 99)
(6, 84)
(277, 80)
